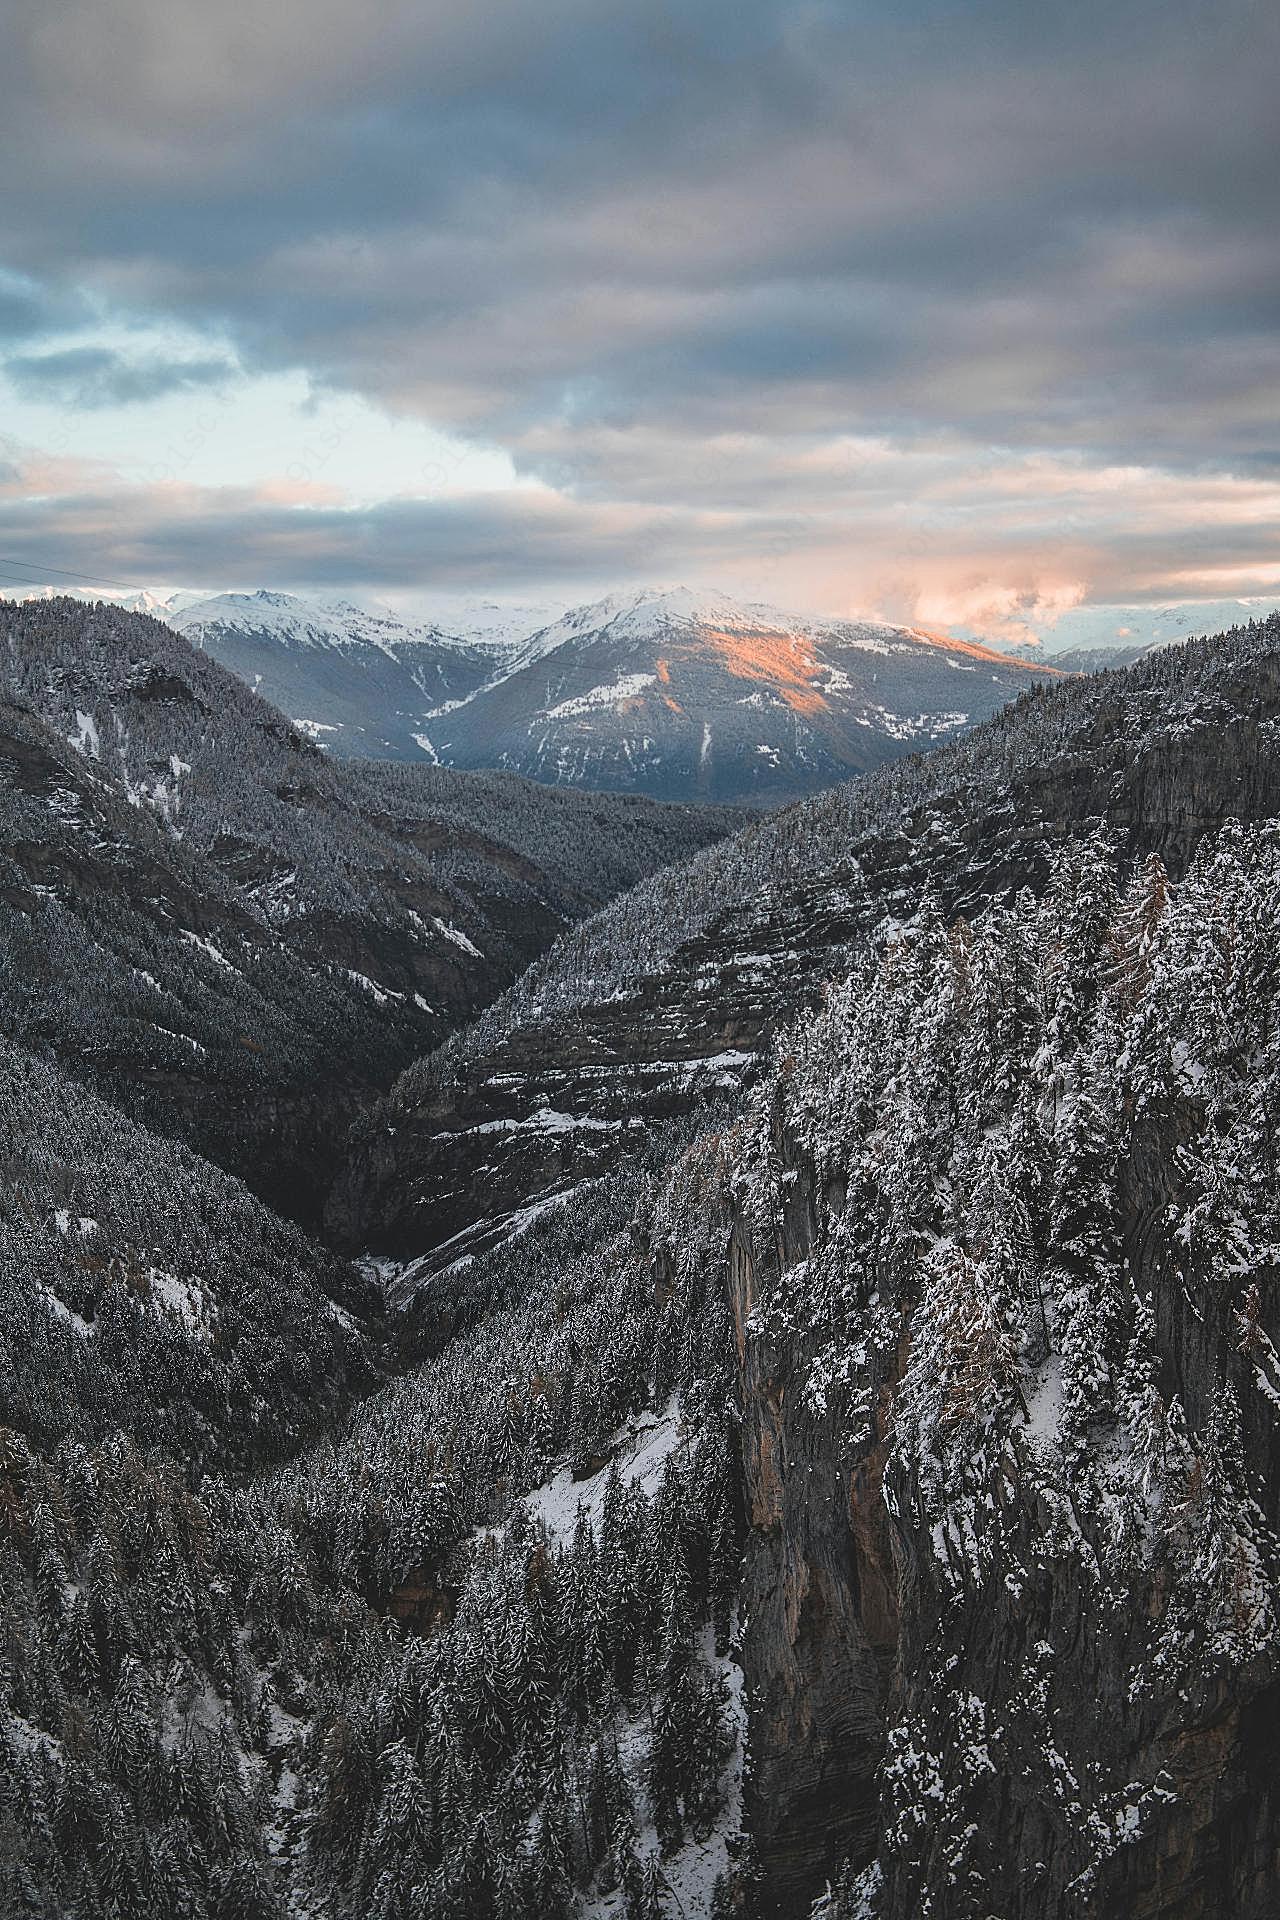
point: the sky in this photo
(935, 310)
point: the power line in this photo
(69, 573)
(14, 588)
(21, 580)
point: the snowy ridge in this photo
(649, 611)
(293, 621)
(678, 693)
(685, 694)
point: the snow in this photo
(399, 1281)
(185, 1299)
(171, 1033)
(457, 936)
(85, 739)
(723, 1069)
(318, 623)
(628, 687)
(383, 1272)
(1044, 1402)
(84, 1226)
(294, 622)
(381, 995)
(421, 740)
(645, 614)
(449, 932)
(904, 726)
(498, 625)
(642, 1449)
(207, 946)
(689, 1875)
(548, 1120)
(60, 1311)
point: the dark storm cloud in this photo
(368, 184)
(101, 377)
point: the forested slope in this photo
(935, 1394)
(859, 1487)
(1004, 1269)
(147, 1292)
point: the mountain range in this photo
(681, 695)
(759, 1397)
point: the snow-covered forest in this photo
(856, 1492)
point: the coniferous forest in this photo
(563, 1359)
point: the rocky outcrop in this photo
(819, 1600)
(849, 1631)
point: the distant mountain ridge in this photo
(676, 693)
(356, 681)
(687, 694)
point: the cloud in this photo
(783, 284)
(102, 377)
(1006, 550)
(29, 309)
(1016, 221)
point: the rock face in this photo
(845, 1615)
(1010, 1444)
(819, 1595)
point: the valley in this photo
(766, 1404)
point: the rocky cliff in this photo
(1009, 1396)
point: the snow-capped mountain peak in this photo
(649, 610)
(686, 693)
(292, 620)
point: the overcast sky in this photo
(957, 312)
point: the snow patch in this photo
(207, 946)
(184, 1298)
(85, 739)
(381, 995)
(457, 936)
(642, 1449)
(629, 687)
